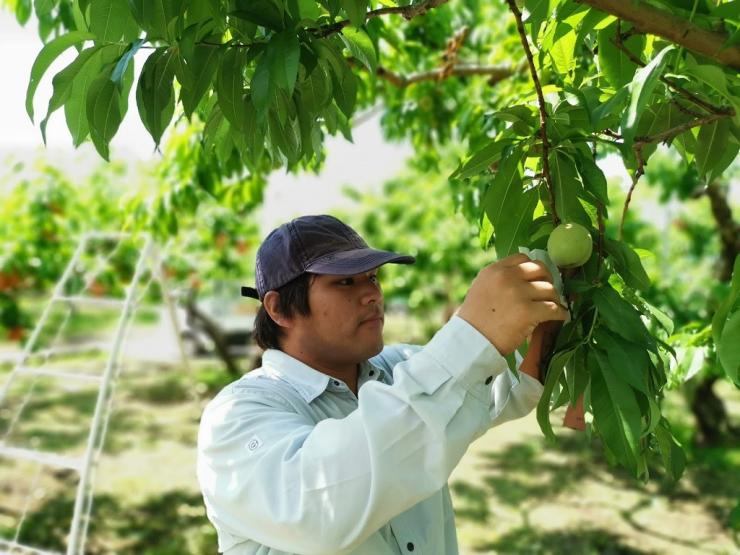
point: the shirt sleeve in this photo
(272, 476)
(510, 398)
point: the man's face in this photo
(345, 324)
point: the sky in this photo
(365, 164)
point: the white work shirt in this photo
(291, 462)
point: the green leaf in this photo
(230, 86)
(154, 16)
(508, 208)
(75, 109)
(316, 90)
(515, 230)
(710, 146)
(103, 112)
(621, 317)
(266, 13)
(538, 11)
(628, 264)
(631, 361)
(554, 371)
(729, 154)
(356, 11)
(46, 57)
(63, 84)
(567, 188)
(505, 192)
(201, 65)
(641, 90)
(728, 348)
(344, 82)
(283, 52)
(562, 52)
(304, 10)
(615, 65)
(344, 86)
(481, 160)
(593, 179)
(111, 21)
(720, 317)
(674, 459)
(360, 46)
(155, 96)
(261, 86)
(286, 137)
(616, 412)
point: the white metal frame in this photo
(85, 466)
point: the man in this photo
(339, 446)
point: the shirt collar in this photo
(309, 382)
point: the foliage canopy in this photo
(264, 81)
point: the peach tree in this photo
(536, 91)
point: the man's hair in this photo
(293, 298)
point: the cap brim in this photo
(356, 261)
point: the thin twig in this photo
(543, 112)
(674, 131)
(408, 12)
(635, 178)
(641, 141)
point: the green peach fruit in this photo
(569, 245)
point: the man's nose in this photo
(372, 293)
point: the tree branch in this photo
(543, 112)
(496, 73)
(408, 12)
(662, 23)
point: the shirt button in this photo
(489, 379)
(410, 546)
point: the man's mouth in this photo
(374, 318)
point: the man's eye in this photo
(347, 281)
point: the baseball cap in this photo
(320, 244)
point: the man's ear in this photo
(270, 302)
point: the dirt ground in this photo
(514, 493)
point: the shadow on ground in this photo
(168, 524)
(524, 476)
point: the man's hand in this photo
(509, 298)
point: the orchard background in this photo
(516, 116)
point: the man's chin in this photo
(376, 349)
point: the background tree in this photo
(263, 81)
(43, 212)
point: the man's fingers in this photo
(514, 259)
(549, 310)
(535, 270)
(543, 291)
